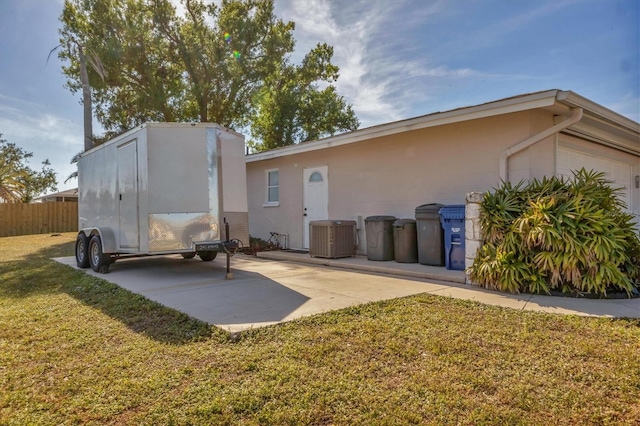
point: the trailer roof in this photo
(173, 125)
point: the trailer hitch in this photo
(231, 246)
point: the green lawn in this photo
(76, 349)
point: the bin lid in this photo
(431, 207)
(453, 211)
(429, 211)
(332, 222)
(381, 219)
(400, 223)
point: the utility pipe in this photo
(576, 115)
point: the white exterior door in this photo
(315, 197)
(616, 171)
(128, 195)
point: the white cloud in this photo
(47, 135)
(628, 105)
(495, 30)
(316, 22)
(385, 71)
(516, 22)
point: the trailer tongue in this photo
(162, 188)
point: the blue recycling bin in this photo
(452, 221)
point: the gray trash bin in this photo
(405, 241)
(379, 230)
(430, 235)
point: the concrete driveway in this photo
(265, 292)
(262, 292)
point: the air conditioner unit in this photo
(332, 238)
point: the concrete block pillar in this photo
(473, 233)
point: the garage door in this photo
(616, 171)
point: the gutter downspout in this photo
(576, 115)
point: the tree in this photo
(227, 52)
(292, 109)
(214, 64)
(18, 182)
(161, 67)
(131, 75)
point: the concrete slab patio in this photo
(265, 292)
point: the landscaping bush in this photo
(558, 235)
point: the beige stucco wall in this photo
(395, 174)
(538, 160)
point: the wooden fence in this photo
(41, 218)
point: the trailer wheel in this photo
(82, 251)
(98, 260)
(207, 256)
(188, 255)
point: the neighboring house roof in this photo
(69, 193)
(597, 121)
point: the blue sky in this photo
(397, 59)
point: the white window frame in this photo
(267, 202)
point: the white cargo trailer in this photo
(162, 188)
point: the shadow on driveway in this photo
(200, 290)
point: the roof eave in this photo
(505, 106)
(554, 100)
(574, 100)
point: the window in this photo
(273, 188)
(315, 177)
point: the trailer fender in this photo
(107, 237)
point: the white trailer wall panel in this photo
(164, 187)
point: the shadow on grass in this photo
(627, 322)
(37, 274)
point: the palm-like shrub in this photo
(553, 234)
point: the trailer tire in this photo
(99, 261)
(82, 251)
(207, 256)
(188, 255)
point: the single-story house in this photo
(69, 195)
(390, 169)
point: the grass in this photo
(78, 350)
